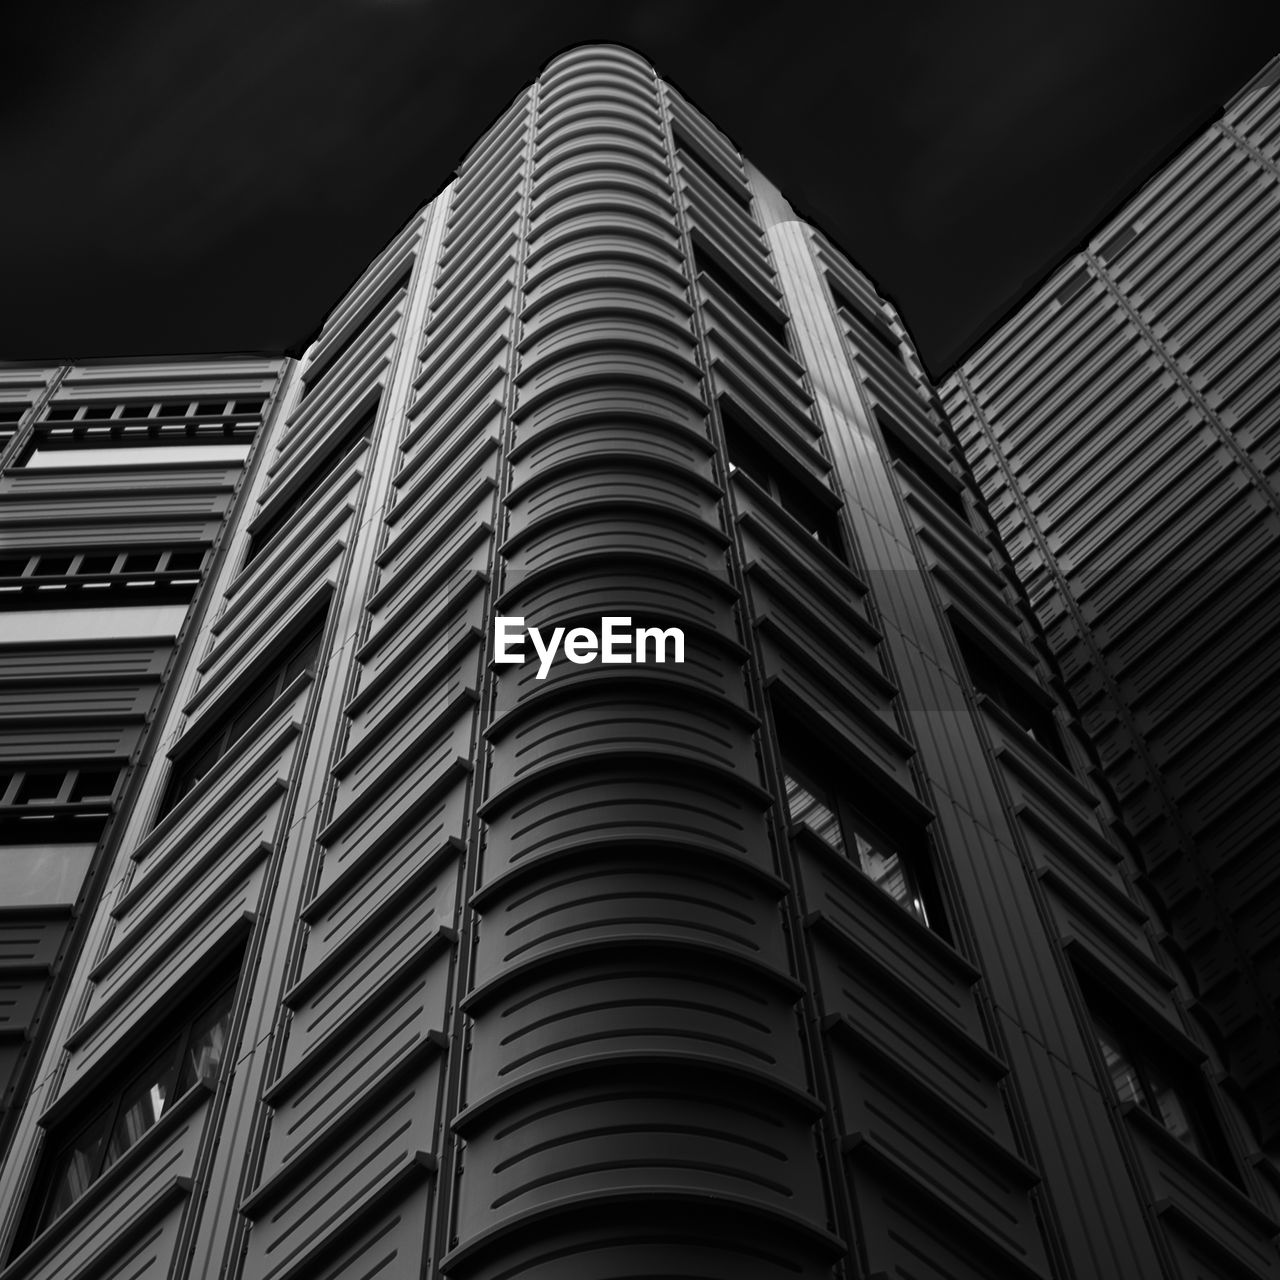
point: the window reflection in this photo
(1137, 1077)
(127, 1107)
(849, 834)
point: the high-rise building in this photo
(1124, 430)
(806, 943)
(99, 564)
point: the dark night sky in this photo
(185, 178)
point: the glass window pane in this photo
(184, 561)
(1172, 1109)
(143, 1103)
(94, 784)
(41, 786)
(207, 1046)
(1124, 1075)
(888, 871)
(304, 659)
(805, 807)
(189, 772)
(101, 563)
(1174, 1117)
(77, 1167)
(252, 709)
(52, 566)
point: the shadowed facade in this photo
(1124, 426)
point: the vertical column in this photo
(636, 1097)
(1057, 1110)
(326, 1144)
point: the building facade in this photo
(96, 580)
(1124, 431)
(818, 953)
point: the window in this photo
(908, 455)
(1136, 1078)
(841, 808)
(698, 161)
(877, 330)
(56, 803)
(1118, 243)
(139, 412)
(315, 373)
(1149, 1072)
(226, 730)
(69, 578)
(706, 264)
(146, 433)
(1073, 285)
(804, 501)
(193, 1049)
(151, 422)
(1019, 700)
(10, 416)
(264, 535)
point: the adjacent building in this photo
(1123, 428)
(829, 951)
(100, 562)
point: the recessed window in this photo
(50, 566)
(94, 784)
(95, 564)
(317, 472)
(199, 756)
(46, 803)
(908, 455)
(315, 373)
(1150, 1072)
(144, 433)
(1118, 243)
(185, 561)
(190, 1048)
(141, 410)
(1010, 691)
(805, 501)
(864, 326)
(142, 562)
(45, 579)
(40, 787)
(1072, 286)
(10, 416)
(1136, 1077)
(701, 163)
(705, 263)
(840, 807)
